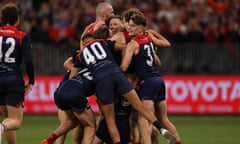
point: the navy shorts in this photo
(115, 83)
(12, 94)
(123, 126)
(72, 95)
(152, 89)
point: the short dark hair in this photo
(139, 20)
(101, 33)
(9, 14)
(132, 11)
(107, 22)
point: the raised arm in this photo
(158, 39)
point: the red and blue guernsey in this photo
(97, 57)
(15, 48)
(145, 60)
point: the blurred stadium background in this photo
(201, 69)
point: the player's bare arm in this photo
(68, 63)
(157, 60)
(128, 53)
(158, 39)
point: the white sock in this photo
(1, 128)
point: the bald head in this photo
(104, 10)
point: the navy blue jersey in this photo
(97, 57)
(15, 48)
(145, 60)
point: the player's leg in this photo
(109, 114)
(135, 131)
(155, 136)
(12, 121)
(11, 134)
(78, 134)
(161, 112)
(100, 114)
(144, 124)
(126, 90)
(97, 140)
(87, 119)
(133, 99)
(11, 101)
(105, 94)
(62, 116)
(78, 131)
(4, 112)
(63, 128)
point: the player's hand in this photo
(28, 88)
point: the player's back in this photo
(97, 56)
(11, 40)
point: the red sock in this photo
(179, 142)
(52, 138)
(136, 143)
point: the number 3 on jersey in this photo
(11, 43)
(96, 52)
(150, 53)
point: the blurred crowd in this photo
(62, 21)
(204, 34)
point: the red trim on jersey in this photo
(126, 35)
(12, 31)
(78, 57)
(142, 39)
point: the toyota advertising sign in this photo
(186, 94)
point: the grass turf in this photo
(192, 129)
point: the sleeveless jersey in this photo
(145, 59)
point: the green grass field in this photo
(193, 129)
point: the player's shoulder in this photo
(22, 32)
(143, 38)
(12, 31)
